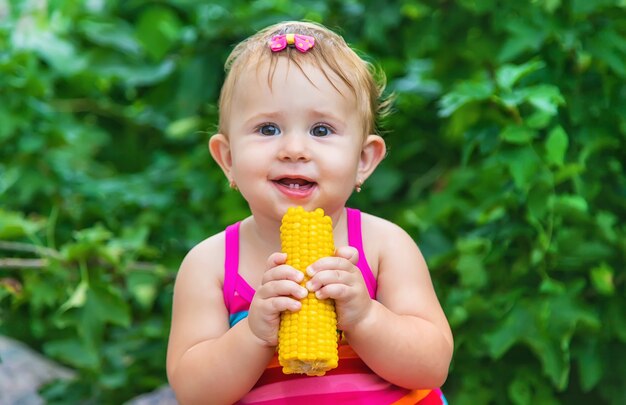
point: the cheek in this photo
(250, 161)
(341, 164)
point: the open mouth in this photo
(295, 183)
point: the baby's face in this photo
(296, 142)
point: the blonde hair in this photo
(330, 52)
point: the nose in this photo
(294, 147)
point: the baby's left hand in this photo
(338, 278)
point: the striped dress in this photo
(352, 382)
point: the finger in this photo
(349, 253)
(283, 288)
(330, 263)
(276, 259)
(334, 291)
(327, 277)
(280, 304)
(282, 272)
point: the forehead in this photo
(286, 77)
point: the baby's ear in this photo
(372, 153)
(219, 146)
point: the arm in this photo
(403, 336)
(205, 358)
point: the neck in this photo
(265, 233)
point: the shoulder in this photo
(384, 240)
(404, 283)
(207, 249)
(204, 263)
(385, 231)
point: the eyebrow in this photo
(277, 115)
(326, 113)
(263, 116)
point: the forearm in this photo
(223, 369)
(405, 350)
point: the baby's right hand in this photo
(280, 291)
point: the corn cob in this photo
(307, 339)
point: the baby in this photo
(298, 114)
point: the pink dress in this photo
(352, 382)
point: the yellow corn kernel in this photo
(307, 339)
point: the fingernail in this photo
(299, 277)
(309, 271)
(309, 286)
(304, 292)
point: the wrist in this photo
(365, 323)
(254, 339)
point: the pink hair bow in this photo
(302, 42)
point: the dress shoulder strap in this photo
(231, 262)
(355, 239)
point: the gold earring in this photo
(358, 186)
(233, 185)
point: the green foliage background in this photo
(506, 164)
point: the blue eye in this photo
(268, 130)
(321, 130)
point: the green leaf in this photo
(158, 30)
(608, 47)
(556, 146)
(616, 319)
(539, 119)
(8, 127)
(417, 80)
(525, 35)
(91, 242)
(551, 5)
(546, 326)
(77, 299)
(14, 225)
(73, 352)
(529, 387)
(587, 7)
(143, 287)
(470, 265)
(551, 286)
(520, 392)
(571, 205)
(383, 183)
(591, 369)
(114, 33)
(567, 172)
(106, 305)
(464, 93)
(523, 164)
(471, 270)
(606, 222)
(602, 279)
(545, 98)
(517, 324)
(59, 52)
(132, 74)
(508, 75)
(517, 134)
(94, 307)
(181, 128)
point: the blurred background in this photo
(507, 149)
